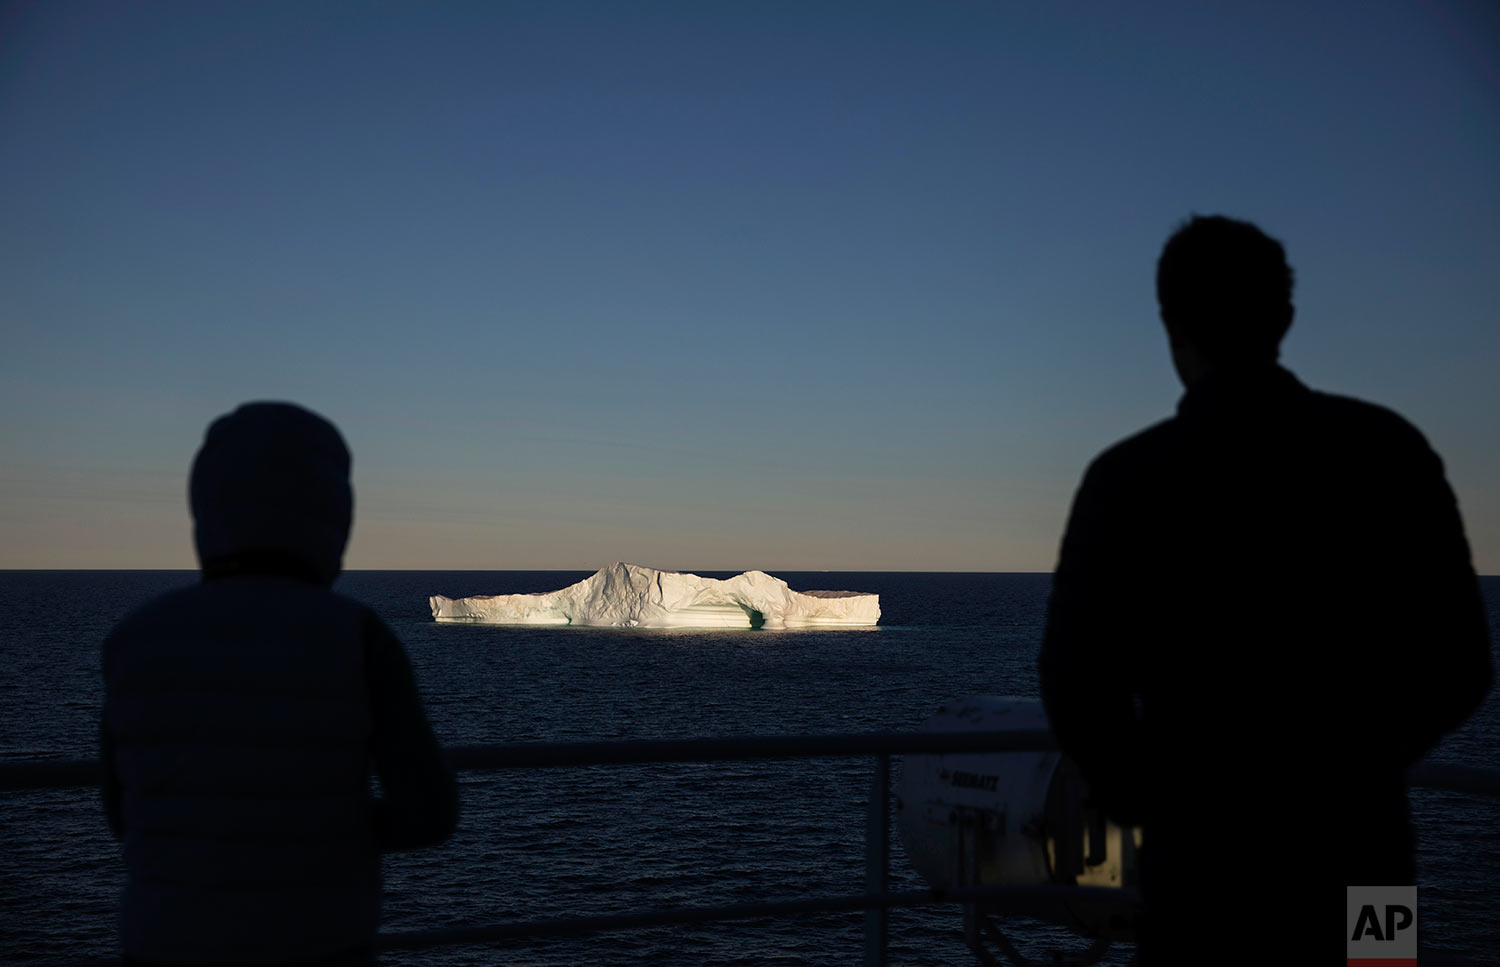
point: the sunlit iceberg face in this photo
(631, 596)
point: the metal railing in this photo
(876, 901)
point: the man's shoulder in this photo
(1312, 411)
(1362, 416)
(1140, 448)
(162, 607)
(229, 599)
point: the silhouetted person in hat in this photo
(1263, 613)
(244, 715)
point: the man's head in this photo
(1225, 292)
(269, 490)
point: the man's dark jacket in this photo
(1263, 612)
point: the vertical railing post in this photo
(877, 859)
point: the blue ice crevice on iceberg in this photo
(632, 596)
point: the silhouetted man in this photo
(243, 716)
(1263, 612)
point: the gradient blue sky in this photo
(709, 285)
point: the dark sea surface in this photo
(571, 842)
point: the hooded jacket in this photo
(243, 715)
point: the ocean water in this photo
(570, 842)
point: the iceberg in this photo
(632, 596)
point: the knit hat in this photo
(272, 478)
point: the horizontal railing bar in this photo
(1449, 778)
(1017, 896)
(48, 774)
(64, 773)
(531, 755)
(70, 773)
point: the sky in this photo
(714, 286)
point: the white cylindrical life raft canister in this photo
(1012, 819)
